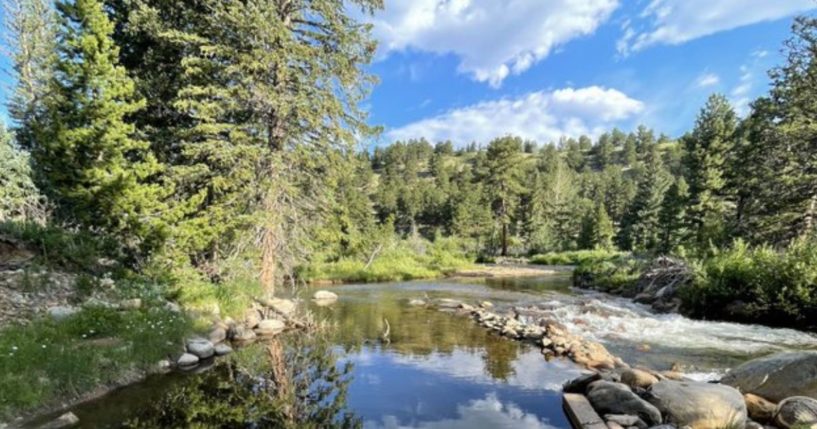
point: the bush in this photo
(758, 284)
(403, 260)
(618, 275)
(576, 257)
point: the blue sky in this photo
(471, 70)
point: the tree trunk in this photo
(504, 239)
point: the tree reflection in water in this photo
(293, 382)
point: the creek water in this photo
(436, 370)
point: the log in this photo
(580, 413)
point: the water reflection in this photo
(295, 383)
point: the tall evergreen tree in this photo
(707, 151)
(641, 226)
(30, 32)
(503, 178)
(672, 216)
(87, 156)
(598, 230)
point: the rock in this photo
(218, 334)
(673, 375)
(614, 425)
(580, 384)
(270, 327)
(62, 312)
(466, 307)
(448, 303)
(616, 398)
(187, 360)
(797, 411)
(324, 295)
(163, 365)
(778, 376)
(252, 318)
(200, 347)
(417, 302)
(98, 303)
(486, 304)
(222, 349)
(758, 408)
(281, 306)
(64, 421)
(241, 334)
(699, 405)
(638, 378)
(625, 420)
(130, 304)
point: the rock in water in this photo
(580, 384)
(416, 302)
(252, 318)
(324, 295)
(616, 398)
(270, 327)
(797, 411)
(200, 347)
(758, 408)
(699, 405)
(187, 360)
(64, 421)
(778, 376)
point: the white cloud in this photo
(741, 92)
(487, 412)
(541, 116)
(707, 80)
(678, 21)
(491, 38)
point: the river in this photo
(436, 370)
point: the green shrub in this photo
(757, 284)
(576, 257)
(402, 260)
(618, 274)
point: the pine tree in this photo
(503, 179)
(604, 151)
(641, 226)
(20, 199)
(673, 214)
(598, 230)
(707, 151)
(89, 161)
(30, 31)
(629, 152)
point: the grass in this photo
(48, 361)
(617, 275)
(230, 298)
(576, 257)
(405, 260)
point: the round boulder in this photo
(778, 376)
(324, 295)
(270, 327)
(758, 408)
(187, 360)
(200, 347)
(797, 411)
(699, 405)
(616, 398)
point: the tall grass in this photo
(576, 257)
(402, 260)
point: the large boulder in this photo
(699, 405)
(324, 295)
(797, 411)
(616, 398)
(778, 376)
